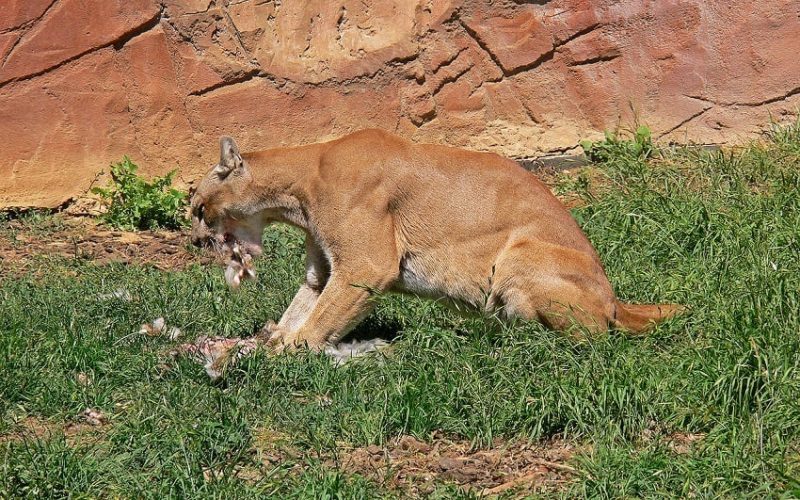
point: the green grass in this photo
(717, 232)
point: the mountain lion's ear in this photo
(229, 157)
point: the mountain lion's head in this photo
(225, 209)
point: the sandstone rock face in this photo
(83, 82)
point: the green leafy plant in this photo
(615, 145)
(134, 203)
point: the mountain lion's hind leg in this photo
(558, 286)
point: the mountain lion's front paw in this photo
(274, 337)
(270, 330)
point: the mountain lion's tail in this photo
(639, 318)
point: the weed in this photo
(134, 203)
(616, 146)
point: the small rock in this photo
(410, 443)
(448, 463)
(374, 449)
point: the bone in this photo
(93, 417)
(344, 352)
(218, 354)
(119, 294)
(174, 333)
(153, 329)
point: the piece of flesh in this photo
(240, 267)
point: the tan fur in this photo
(383, 214)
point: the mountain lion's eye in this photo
(201, 211)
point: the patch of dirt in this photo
(80, 431)
(78, 237)
(682, 443)
(415, 467)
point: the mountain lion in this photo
(383, 214)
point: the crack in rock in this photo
(550, 54)
(30, 23)
(595, 60)
(250, 75)
(28, 26)
(684, 122)
(752, 104)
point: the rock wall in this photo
(83, 82)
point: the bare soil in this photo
(83, 238)
(416, 467)
(81, 430)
